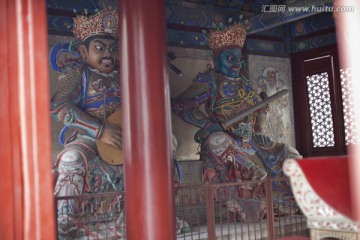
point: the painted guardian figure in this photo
(88, 93)
(238, 152)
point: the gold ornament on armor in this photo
(243, 97)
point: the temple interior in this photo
(274, 44)
(294, 45)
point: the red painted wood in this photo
(25, 123)
(329, 177)
(7, 178)
(146, 121)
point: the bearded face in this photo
(102, 54)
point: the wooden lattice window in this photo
(321, 114)
(322, 125)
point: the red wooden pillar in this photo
(26, 202)
(348, 37)
(146, 121)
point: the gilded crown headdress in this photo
(233, 35)
(104, 22)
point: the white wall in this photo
(184, 132)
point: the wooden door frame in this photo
(301, 105)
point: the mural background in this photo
(272, 74)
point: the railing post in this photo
(210, 212)
(269, 209)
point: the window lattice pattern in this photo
(348, 106)
(320, 110)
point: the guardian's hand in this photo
(112, 135)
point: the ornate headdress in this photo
(104, 22)
(231, 36)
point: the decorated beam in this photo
(314, 42)
(186, 22)
(201, 16)
(306, 27)
(276, 15)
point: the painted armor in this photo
(83, 100)
(239, 152)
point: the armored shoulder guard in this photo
(69, 84)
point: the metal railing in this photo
(246, 210)
(91, 216)
(258, 210)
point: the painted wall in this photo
(184, 132)
(272, 74)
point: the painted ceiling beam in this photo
(292, 12)
(182, 15)
(200, 16)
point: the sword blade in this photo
(242, 114)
